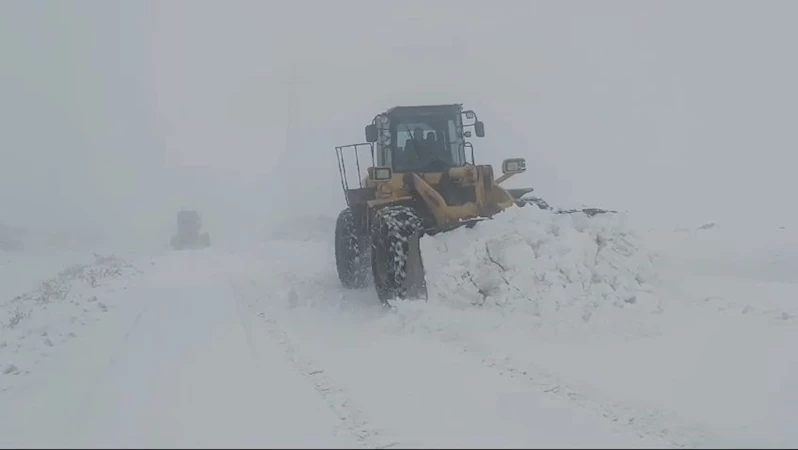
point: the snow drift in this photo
(552, 272)
(560, 275)
(542, 263)
(34, 322)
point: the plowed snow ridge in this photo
(567, 267)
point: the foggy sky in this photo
(120, 113)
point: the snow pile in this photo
(34, 322)
(567, 269)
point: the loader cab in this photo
(189, 222)
(423, 138)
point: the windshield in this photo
(426, 143)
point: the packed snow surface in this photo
(541, 330)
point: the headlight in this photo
(380, 173)
(514, 165)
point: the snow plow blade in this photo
(590, 212)
(542, 204)
(464, 223)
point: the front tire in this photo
(396, 263)
(350, 256)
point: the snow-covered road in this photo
(188, 361)
(174, 366)
(540, 332)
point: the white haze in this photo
(114, 115)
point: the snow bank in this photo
(34, 322)
(564, 269)
(23, 271)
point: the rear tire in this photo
(350, 255)
(393, 230)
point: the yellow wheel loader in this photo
(189, 224)
(420, 181)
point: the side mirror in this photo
(513, 166)
(371, 133)
(479, 128)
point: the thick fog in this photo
(114, 115)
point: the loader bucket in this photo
(542, 204)
(463, 223)
(590, 212)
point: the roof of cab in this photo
(420, 108)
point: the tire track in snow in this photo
(645, 421)
(353, 419)
(110, 363)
